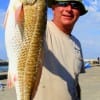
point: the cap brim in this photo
(82, 9)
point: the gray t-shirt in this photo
(62, 63)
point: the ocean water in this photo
(3, 68)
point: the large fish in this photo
(25, 26)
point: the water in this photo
(3, 68)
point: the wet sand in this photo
(89, 82)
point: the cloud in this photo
(92, 5)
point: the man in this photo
(62, 53)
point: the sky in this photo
(87, 29)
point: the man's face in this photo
(65, 15)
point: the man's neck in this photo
(66, 29)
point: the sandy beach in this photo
(89, 82)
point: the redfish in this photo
(24, 41)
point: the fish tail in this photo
(11, 80)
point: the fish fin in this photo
(19, 14)
(11, 80)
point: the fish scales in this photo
(24, 29)
(28, 29)
(29, 66)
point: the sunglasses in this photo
(74, 5)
